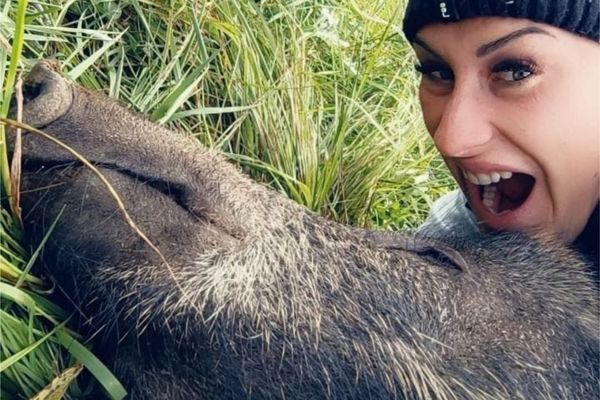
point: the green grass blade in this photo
(75, 72)
(112, 386)
(21, 354)
(7, 89)
(36, 253)
(180, 93)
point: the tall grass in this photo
(315, 98)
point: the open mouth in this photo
(501, 192)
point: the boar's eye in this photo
(444, 257)
(434, 251)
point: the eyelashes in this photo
(514, 69)
(508, 70)
(435, 70)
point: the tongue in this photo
(514, 191)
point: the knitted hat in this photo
(577, 16)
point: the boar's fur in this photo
(263, 299)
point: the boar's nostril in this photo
(48, 96)
(30, 92)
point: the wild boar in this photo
(263, 299)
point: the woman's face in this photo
(514, 108)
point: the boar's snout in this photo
(47, 95)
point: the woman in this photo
(510, 93)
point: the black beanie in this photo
(576, 16)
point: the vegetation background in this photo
(316, 98)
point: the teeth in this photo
(489, 197)
(486, 179)
(471, 178)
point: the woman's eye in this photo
(435, 71)
(513, 70)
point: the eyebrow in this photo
(417, 40)
(492, 46)
(487, 48)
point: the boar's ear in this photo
(48, 95)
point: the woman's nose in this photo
(465, 126)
